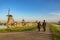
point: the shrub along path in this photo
(27, 35)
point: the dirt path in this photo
(27, 35)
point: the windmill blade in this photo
(9, 11)
(13, 20)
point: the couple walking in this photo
(43, 25)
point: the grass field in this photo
(25, 28)
(56, 31)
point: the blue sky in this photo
(30, 10)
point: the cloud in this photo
(54, 17)
(55, 14)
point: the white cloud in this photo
(54, 17)
(55, 14)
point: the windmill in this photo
(10, 19)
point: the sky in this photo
(30, 10)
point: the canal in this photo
(3, 27)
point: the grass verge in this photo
(56, 31)
(26, 28)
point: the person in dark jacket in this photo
(44, 25)
(38, 26)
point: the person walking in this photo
(38, 26)
(44, 25)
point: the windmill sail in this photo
(8, 12)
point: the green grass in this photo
(26, 28)
(56, 31)
(57, 37)
(54, 28)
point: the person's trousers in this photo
(44, 28)
(38, 28)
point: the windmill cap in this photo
(9, 15)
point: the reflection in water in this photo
(2, 27)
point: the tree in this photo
(59, 22)
(23, 22)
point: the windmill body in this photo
(9, 22)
